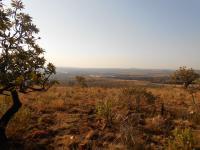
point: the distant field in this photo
(154, 75)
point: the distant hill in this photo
(64, 74)
(152, 75)
(114, 71)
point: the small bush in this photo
(81, 81)
(105, 109)
(181, 139)
(130, 133)
(137, 94)
(185, 76)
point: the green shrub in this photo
(105, 109)
(181, 139)
(81, 81)
(185, 76)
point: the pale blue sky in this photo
(119, 33)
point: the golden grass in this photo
(67, 114)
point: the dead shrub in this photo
(134, 97)
(130, 134)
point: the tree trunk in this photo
(8, 116)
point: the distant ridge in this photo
(106, 71)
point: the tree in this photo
(81, 81)
(23, 67)
(185, 76)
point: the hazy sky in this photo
(119, 33)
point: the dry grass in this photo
(66, 118)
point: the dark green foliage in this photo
(22, 64)
(23, 67)
(185, 76)
(81, 81)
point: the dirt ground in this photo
(74, 118)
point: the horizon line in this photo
(118, 68)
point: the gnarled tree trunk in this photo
(8, 116)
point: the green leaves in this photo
(19, 80)
(34, 77)
(185, 76)
(81, 81)
(17, 4)
(4, 22)
(51, 68)
(181, 139)
(21, 58)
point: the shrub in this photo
(137, 94)
(181, 139)
(81, 81)
(105, 109)
(185, 76)
(130, 133)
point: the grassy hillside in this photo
(71, 117)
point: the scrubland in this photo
(136, 117)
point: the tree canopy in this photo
(185, 76)
(23, 67)
(22, 64)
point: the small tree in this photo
(185, 76)
(81, 81)
(22, 65)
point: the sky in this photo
(119, 33)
